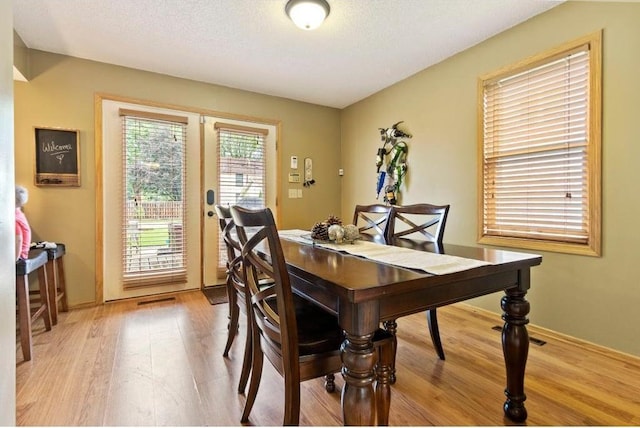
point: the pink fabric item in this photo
(23, 229)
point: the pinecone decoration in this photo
(320, 231)
(333, 220)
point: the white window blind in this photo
(537, 152)
(242, 170)
(154, 205)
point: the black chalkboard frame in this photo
(57, 157)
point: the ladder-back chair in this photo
(300, 339)
(419, 222)
(235, 290)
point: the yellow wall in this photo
(7, 224)
(596, 299)
(61, 94)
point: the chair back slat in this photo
(424, 222)
(371, 221)
(227, 227)
(235, 276)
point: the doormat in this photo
(216, 295)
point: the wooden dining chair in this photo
(300, 339)
(419, 222)
(371, 221)
(236, 294)
(235, 290)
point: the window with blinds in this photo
(242, 171)
(540, 152)
(154, 205)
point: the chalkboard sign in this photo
(57, 157)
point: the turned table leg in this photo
(392, 327)
(515, 346)
(358, 360)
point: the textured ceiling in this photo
(363, 46)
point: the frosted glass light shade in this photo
(307, 14)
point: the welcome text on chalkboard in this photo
(57, 157)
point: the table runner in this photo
(433, 263)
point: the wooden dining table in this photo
(363, 293)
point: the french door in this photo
(151, 204)
(239, 169)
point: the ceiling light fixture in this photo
(307, 14)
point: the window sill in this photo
(591, 249)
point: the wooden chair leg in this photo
(330, 382)
(256, 374)
(24, 316)
(44, 296)
(62, 284)
(246, 361)
(392, 327)
(432, 319)
(291, 399)
(234, 313)
(383, 382)
(52, 278)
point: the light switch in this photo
(299, 193)
(294, 162)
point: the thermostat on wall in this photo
(294, 177)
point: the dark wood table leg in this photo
(383, 384)
(358, 360)
(392, 327)
(515, 346)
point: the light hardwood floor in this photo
(161, 364)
